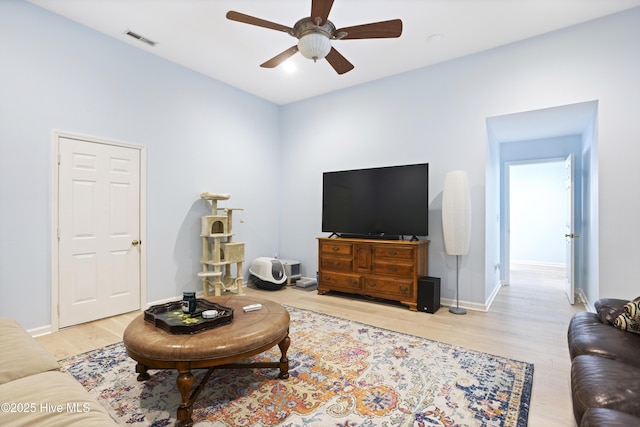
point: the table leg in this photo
(185, 409)
(142, 372)
(284, 362)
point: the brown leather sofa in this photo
(605, 368)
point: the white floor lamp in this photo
(456, 222)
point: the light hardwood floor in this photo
(528, 321)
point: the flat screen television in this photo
(387, 202)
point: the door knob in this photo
(135, 242)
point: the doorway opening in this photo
(537, 212)
(537, 136)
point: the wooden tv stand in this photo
(387, 269)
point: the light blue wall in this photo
(438, 115)
(200, 135)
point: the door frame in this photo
(506, 210)
(570, 231)
(54, 191)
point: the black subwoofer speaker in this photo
(429, 294)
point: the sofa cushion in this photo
(597, 382)
(609, 308)
(629, 319)
(588, 335)
(52, 399)
(20, 354)
(601, 417)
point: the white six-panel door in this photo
(98, 230)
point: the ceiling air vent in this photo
(141, 38)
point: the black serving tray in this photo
(171, 318)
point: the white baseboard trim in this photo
(47, 329)
(447, 302)
(493, 295)
(40, 331)
(525, 263)
(162, 301)
(582, 299)
(199, 294)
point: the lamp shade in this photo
(314, 45)
(456, 213)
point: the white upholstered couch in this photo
(34, 392)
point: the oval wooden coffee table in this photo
(248, 334)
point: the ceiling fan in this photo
(315, 33)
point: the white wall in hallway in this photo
(537, 213)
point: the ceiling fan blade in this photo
(375, 30)
(280, 58)
(252, 20)
(338, 62)
(320, 9)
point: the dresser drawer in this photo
(395, 268)
(397, 288)
(336, 248)
(395, 252)
(337, 281)
(336, 264)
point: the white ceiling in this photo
(196, 34)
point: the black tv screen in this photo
(377, 202)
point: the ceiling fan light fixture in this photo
(289, 67)
(315, 32)
(314, 45)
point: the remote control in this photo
(252, 307)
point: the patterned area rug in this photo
(342, 373)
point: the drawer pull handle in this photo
(404, 289)
(335, 263)
(335, 249)
(353, 282)
(393, 269)
(327, 278)
(393, 253)
(372, 284)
